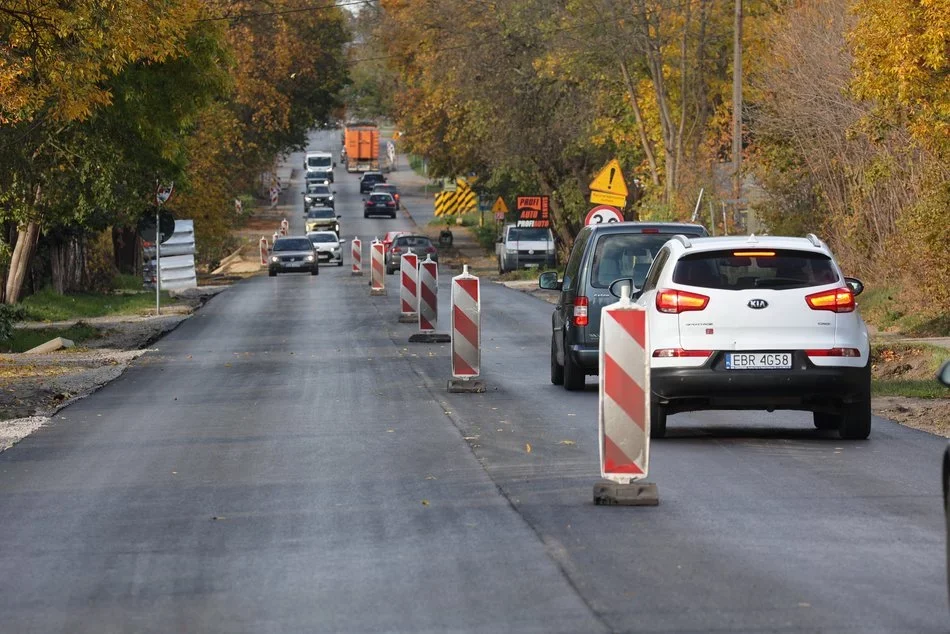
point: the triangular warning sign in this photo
(499, 207)
(610, 180)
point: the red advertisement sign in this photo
(533, 211)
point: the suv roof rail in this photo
(814, 239)
(684, 240)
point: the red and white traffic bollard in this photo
(408, 278)
(357, 253)
(284, 227)
(428, 304)
(275, 236)
(624, 406)
(466, 333)
(264, 251)
(378, 269)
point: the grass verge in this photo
(902, 369)
(882, 308)
(48, 306)
(24, 339)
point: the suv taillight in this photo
(834, 352)
(837, 300)
(676, 301)
(580, 311)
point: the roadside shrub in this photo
(100, 262)
(8, 315)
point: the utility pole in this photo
(737, 106)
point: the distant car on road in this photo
(318, 195)
(379, 205)
(420, 245)
(758, 323)
(322, 219)
(601, 254)
(388, 239)
(369, 179)
(327, 245)
(386, 188)
(293, 254)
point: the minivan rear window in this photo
(742, 269)
(620, 255)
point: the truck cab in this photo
(524, 247)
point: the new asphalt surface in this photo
(286, 461)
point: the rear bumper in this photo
(806, 386)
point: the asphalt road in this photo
(286, 461)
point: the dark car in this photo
(293, 254)
(370, 179)
(420, 245)
(575, 324)
(386, 188)
(379, 205)
(318, 195)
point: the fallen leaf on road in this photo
(567, 442)
(425, 502)
(227, 365)
(527, 447)
(431, 477)
(390, 431)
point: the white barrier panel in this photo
(275, 236)
(264, 251)
(284, 226)
(357, 253)
(624, 404)
(428, 298)
(178, 260)
(466, 326)
(408, 278)
(378, 272)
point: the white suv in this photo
(756, 323)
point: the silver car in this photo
(329, 247)
(402, 244)
(293, 254)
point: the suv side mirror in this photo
(549, 282)
(617, 286)
(856, 285)
(944, 375)
(339, 216)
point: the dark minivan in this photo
(601, 254)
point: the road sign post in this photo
(624, 406)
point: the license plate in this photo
(759, 361)
(531, 265)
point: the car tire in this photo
(657, 419)
(826, 421)
(272, 273)
(365, 215)
(557, 370)
(574, 377)
(856, 420)
(340, 263)
(393, 215)
(315, 271)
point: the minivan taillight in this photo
(676, 301)
(837, 300)
(580, 311)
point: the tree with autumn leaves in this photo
(100, 101)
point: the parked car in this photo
(386, 188)
(944, 377)
(601, 254)
(293, 254)
(322, 219)
(328, 245)
(369, 179)
(420, 245)
(318, 195)
(379, 204)
(524, 247)
(755, 323)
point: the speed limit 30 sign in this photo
(602, 214)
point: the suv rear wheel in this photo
(657, 419)
(826, 420)
(557, 370)
(573, 374)
(856, 420)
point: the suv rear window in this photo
(742, 269)
(619, 255)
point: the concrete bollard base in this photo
(466, 386)
(408, 318)
(355, 273)
(429, 337)
(609, 493)
(377, 292)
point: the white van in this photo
(319, 166)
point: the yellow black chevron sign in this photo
(462, 201)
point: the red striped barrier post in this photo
(428, 304)
(284, 226)
(275, 236)
(377, 272)
(624, 406)
(466, 333)
(357, 253)
(264, 251)
(408, 279)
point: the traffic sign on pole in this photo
(603, 214)
(608, 186)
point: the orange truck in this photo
(361, 141)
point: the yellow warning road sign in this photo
(610, 181)
(499, 207)
(603, 198)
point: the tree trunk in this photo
(641, 127)
(27, 238)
